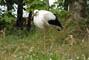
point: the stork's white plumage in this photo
(43, 17)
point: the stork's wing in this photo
(47, 15)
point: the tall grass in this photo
(72, 43)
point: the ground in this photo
(70, 43)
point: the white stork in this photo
(43, 18)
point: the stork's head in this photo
(35, 12)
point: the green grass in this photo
(23, 45)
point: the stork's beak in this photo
(33, 14)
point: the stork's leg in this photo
(44, 41)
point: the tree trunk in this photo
(9, 4)
(82, 5)
(19, 22)
(79, 9)
(66, 4)
(29, 21)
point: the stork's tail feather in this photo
(59, 29)
(59, 24)
(56, 22)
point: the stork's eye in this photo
(37, 12)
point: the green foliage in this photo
(57, 4)
(2, 2)
(36, 4)
(5, 17)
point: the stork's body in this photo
(43, 17)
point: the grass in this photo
(23, 45)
